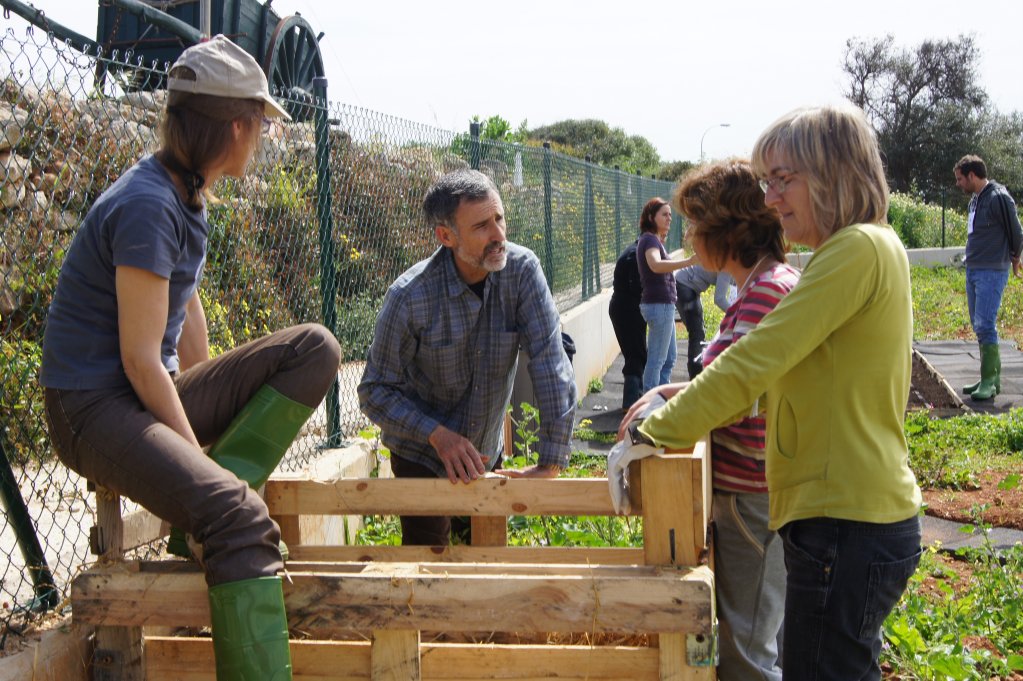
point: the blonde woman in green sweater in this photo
(833, 359)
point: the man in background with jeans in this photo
(993, 241)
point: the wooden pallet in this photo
(359, 612)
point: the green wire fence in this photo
(327, 218)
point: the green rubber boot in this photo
(253, 445)
(250, 630)
(990, 368)
(968, 389)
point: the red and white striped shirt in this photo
(738, 449)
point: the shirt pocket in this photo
(447, 372)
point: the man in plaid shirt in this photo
(440, 371)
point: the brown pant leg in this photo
(299, 362)
(108, 437)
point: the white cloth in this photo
(625, 452)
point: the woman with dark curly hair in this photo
(732, 230)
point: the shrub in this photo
(919, 224)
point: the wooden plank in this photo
(291, 529)
(58, 654)
(489, 530)
(490, 496)
(470, 554)
(674, 664)
(119, 654)
(191, 659)
(395, 656)
(336, 604)
(142, 527)
(665, 483)
(495, 570)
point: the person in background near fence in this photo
(732, 231)
(441, 367)
(994, 241)
(628, 323)
(690, 282)
(834, 360)
(131, 393)
(658, 302)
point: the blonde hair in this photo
(835, 151)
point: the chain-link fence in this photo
(328, 217)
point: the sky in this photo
(669, 70)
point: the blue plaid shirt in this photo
(440, 355)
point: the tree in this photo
(1001, 147)
(498, 129)
(603, 144)
(925, 105)
(674, 170)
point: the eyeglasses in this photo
(266, 125)
(778, 184)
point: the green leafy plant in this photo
(585, 433)
(947, 629)
(596, 385)
(951, 452)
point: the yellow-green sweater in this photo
(834, 360)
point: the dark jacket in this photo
(996, 231)
(626, 280)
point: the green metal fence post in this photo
(942, 217)
(592, 229)
(548, 216)
(587, 203)
(28, 541)
(618, 210)
(328, 270)
(640, 198)
(474, 146)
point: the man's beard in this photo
(487, 261)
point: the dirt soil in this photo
(1005, 507)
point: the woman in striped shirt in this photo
(731, 230)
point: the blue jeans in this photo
(660, 343)
(844, 577)
(983, 298)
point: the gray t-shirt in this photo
(140, 221)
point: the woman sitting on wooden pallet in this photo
(131, 393)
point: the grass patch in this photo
(939, 306)
(950, 453)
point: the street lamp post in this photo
(716, 125)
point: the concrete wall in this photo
(928, 257)
(596, 348)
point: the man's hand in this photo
(459, 456)
(1017, 269)
(545, 471)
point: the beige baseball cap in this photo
(223, 69)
